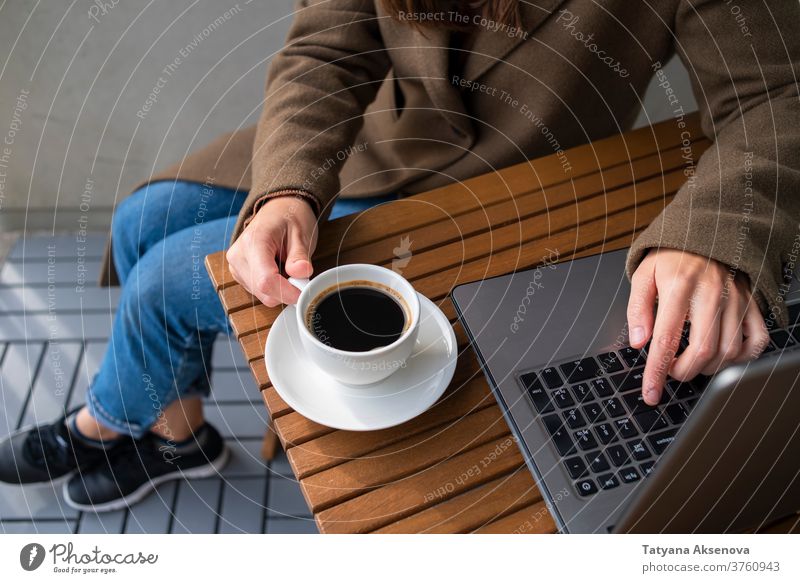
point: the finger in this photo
(706, 308)
(756, 336)
(730, 333)
(672, 309)
(264, 276)
(298, 260)
(641, 305)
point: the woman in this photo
(374, 98)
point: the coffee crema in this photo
(358, 316)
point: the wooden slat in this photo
(294, 429)
(534, 519)
(402, 459)
(338, 447)
(442, 481)
(466, 256)
(452, 228)
(473, 508)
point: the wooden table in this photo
(456, 468)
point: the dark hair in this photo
(419, 12)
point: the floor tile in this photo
(234, 385)
(67, 271)
(90, 363)
(38, 527)
(246, 420)
(33, 501)
(197, 506)
(17, 374)
(245, 459)
(43, 300)
(40, 247)
(102, 523)
(153, 514)
(86, 326)
(227, 353)
(291, 526)
(285, 498)
(242, 506)
(51, 389)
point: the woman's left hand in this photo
(726, 323)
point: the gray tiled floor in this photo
(52, 339)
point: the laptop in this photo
(718, 454)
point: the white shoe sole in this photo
(207, 471)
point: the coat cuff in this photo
(315, 203)
(688, 230)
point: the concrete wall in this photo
(83, 71)
(74, 85)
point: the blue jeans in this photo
(169, 313)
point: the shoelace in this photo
(47, 448)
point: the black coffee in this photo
(357, 319)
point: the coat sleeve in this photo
(742, 204)
(318, 87)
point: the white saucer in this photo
(402, 396)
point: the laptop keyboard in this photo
(599, 424)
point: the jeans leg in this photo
(160, 209)
(168, 318)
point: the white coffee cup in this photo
(358, 368)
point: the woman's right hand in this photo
(284, 229)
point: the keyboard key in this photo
(613, 407)
(626, 428)
(602, 388)
(594, 412)
(650, 421)
(639, 450)
(610, 362)
(530, 380)
(691, 403)
(660, 441)
(574, 418)
(585, 487)
(576, 467)
(551, 377)
(629, 475)
(581, 392)
(636, 404)
(540, 400)
(627, 381)
(647, 467)
(677, 413)
(681, 390)
(562, 398)
(605, 433)
(632, 357)
(781, 338)
(580, 370)
(608, 481)
(700, 382)
(559, 434)
(585, 439)
(597, 461)
(618, 455)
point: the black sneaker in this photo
(139, 467)
(46, 453)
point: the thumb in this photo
(298, 260)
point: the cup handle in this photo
(299, 283)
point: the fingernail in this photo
(637, 335)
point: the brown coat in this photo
(350, 74)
